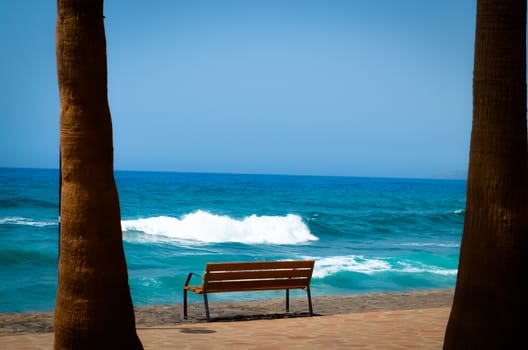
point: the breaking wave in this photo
(204, 227)
(329, 266)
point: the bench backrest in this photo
(260, 275)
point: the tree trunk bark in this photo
(490, 304)
(93, 308)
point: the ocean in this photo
(365, 234)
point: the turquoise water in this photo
(366, 234)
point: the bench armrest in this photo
(189, 278)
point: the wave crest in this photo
(325, 267)
(332, 265)
(205, 227)
(16, 220)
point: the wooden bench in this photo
(252, 276)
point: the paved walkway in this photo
(401, 329)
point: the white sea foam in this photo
(15, 220)
(149, 282)
(353, 263)
(422, 268)
(201, 226)
(356, 263)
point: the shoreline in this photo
(230, 311)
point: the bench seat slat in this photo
(241, 275)
(258, 265)
(254, 285)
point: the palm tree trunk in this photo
(93, 308)
(490, 304)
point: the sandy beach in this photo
(410, 320)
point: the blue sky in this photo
(355, 88)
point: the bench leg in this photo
(309, 300)
(206, 303)
(287, 300)
(185, 304)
